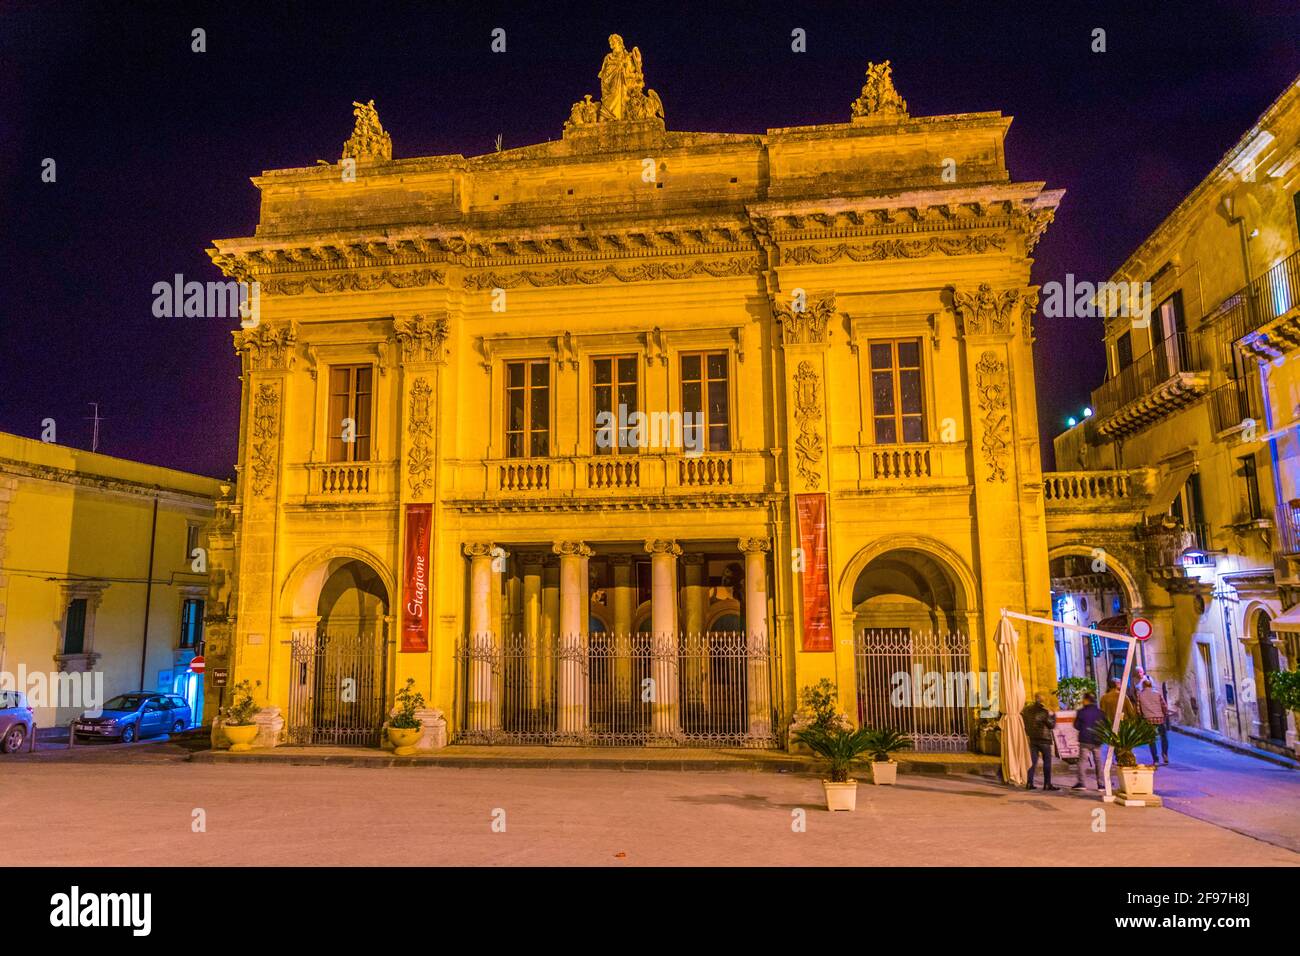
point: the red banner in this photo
(816, 573)
(415, 582)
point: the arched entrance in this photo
(339, 669)
(1272, 714)
(912, 650)
(1090, 590)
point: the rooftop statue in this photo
(878, 95)
(623, 95)
(368, 141)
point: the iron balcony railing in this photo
(1178, 353)
(1268, 296)
(1231, 404)
(1288, 522)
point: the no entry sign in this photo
(1140, 628)
(197, 665)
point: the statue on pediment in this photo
(369, 140)
(878, 96)
(623, 95)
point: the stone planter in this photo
(841, 796)
(404, 739)
(1137, 781)
(241, 736)
(884, 772)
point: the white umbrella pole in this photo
(1128, 639)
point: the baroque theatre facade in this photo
(630, 436)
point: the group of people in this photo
(1143, 698)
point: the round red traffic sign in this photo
(1140, 628)
(197, 665)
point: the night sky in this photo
(155, 144)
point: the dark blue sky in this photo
(155, 144)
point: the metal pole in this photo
(148, 592)
(1128, 639)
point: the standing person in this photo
(1155, 710)
(1086, 722)
(1039, 722)
(1110, 700)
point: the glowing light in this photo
(1087, 413)
(1071, 422)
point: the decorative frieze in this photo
(265, 437)
(991, 388)
(893, 249)
(419, 457)
(808, 445)
(645, 272)
(354, 281)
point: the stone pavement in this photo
(72, 812)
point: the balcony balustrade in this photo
(1171, 375)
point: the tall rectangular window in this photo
(897, 404)
(1123, 352)
(528, 409)
(350, 407)
(191, 622)
(613, 400)
(1250, 476)
(191, 541)
(706, 395)
(1169, 336)
(74, 629)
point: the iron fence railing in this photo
(710, 689)
(1270, 295)
(1288, 523)
(1231, 404)
(1168, 357)
(336, 689)
(920, 684)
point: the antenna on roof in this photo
(498, 142)
(94, 436)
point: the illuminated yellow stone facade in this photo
(750, 278)
(1186, 475)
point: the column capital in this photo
(572, 548)
(986, 311)
(478, 549)
(662, 546)
(752, 545)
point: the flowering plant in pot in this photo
(238, 721)
(1133, 732)
(840, 748)
(881, 744)
(1069, 692)
(404, 727)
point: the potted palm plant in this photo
(840, 748)
(882, 743)
(238, 723)
(1136, 780)
(403, 726)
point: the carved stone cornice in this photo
(267, 347)
(987, 312)
(422, 337)
(572, 548)
(644, 272)
(809, 325)
(900, 248)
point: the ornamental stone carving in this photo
(892, 249)
(623, 96)
(368, 140)
(985, 312)
(421, 338)
(808, 446)
(478, 549)
(267, 347)
(750, 545)
(354, 281)
(419, 459)
(806, 326)
(878, 96)
(645, 272)
(663, 546)
(578, 548)
(265, 431)
(991, 388)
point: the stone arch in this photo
(303, 585)
(966, 593)
(1125, 577)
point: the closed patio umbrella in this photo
(1011, 691)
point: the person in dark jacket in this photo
(1086, 722)
(1039, 722)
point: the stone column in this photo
(623, 606)
(481, 639)
(531, 564)
(571, 718)
(550, 632)
(665, 721)
(695, 595)
(500, 621)
(758, 666)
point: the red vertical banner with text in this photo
(415, 580)
(816, 573)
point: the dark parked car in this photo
(16, 721)
(128, 717)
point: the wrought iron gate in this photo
(920, 685)
(709, 689)
(337, 690)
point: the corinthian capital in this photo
(578, 548)
(805, 320)
(986, 312)
(478, 549)
(662, 546)
(749, 545)
(421, 337)
(267, 346)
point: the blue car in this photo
(128, 717)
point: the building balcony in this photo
(1230, 405)
(342, 482)
(1269, 296)
(1172, 375)
(904, 467)
(1094, 490)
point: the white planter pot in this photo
(884, 772)
(841, 796)
(1137, 781)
